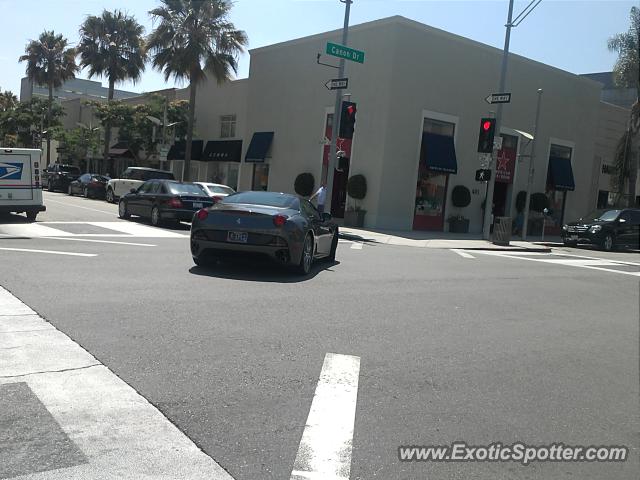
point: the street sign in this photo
(483, 175)
(347, 53)
(337, 84)
(498, 98)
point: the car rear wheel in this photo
(110, 197)
(608, 243)
(123, 211)
(306, 259)
(156, 221)
(31, 215)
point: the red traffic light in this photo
(486, 126)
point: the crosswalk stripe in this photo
(113, 229)
(462, 253)
(326, 444)
(356, 246)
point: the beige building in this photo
(420, 97)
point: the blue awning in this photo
(560, 174)
(439, 153)
(259, 147)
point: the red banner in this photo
(343, 144)
(506, 165)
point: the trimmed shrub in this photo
(538, 202)
(357, 187)
(460, 196)
(304, 184)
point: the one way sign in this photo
(337, 84)
(483, 175)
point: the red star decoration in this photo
(503, 161)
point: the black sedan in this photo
(607, 229)
(280, 226)
(164, 201)
(90, 185)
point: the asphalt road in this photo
(485, 349)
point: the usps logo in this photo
(10, 171)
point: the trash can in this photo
(502, 231)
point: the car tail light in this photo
(279, 220)
(202, 214)
(175, 203)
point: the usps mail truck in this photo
(20, 189)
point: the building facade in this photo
(420, 95)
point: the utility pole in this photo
(488, 208)
(335, 128)
(532, 159)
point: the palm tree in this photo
(195, 38)
(626, 74)
(50, 63)
(8, 101)
(112, 46)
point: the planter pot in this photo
(354, 218)
(459, 225)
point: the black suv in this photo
(59, 176)
(606, 228)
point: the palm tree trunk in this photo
(48, 124)
(187, 152)
(107, 132)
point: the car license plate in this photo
(573, 238)
(197, 205)
(237, 237)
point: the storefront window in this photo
(556, 195)
(430, 193)
(260, 177)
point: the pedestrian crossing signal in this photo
(483, 175)
(487, 132)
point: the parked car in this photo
(133, 177)
(90, 185)
(216, 191)
(164, 200)
(280, 226)
(606, 228)
(58, 177)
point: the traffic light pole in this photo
(488, 207)
(335, 128)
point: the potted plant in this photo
(461, 198)
(356, 189)
(304, 184)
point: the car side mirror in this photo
(326, 216)
(133, 190)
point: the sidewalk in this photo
(445, 240)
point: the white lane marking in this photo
(622, 262)
(462, 253)
(587, 263)
(326, 444)
(356, 246)
(100, 241)
(32, 230)
(120, 433)
(52, 252)
(118, 230)
(78, 206)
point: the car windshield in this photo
(221, 189)
(69, 169)
(270, 199)
(608, 215)
(185, 189)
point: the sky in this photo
(568, 34)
